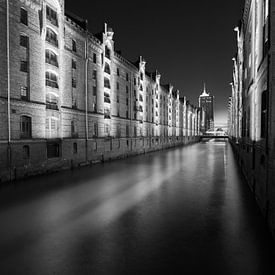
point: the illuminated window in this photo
(51, 80)
(51, 16)
(51, 58)
(24, 16)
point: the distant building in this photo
(206, 102)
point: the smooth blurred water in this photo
(185, 209)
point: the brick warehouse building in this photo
(68, 98)
(251, 106)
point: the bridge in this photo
(213, 136)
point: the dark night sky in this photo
(188, 43)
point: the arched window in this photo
(107, 52)
(25, 127)
(107, 68)
(51, 58)
(51, 80)
(51, 37)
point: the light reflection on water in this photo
(136, 215)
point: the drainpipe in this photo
(86, 94)
(8, 72)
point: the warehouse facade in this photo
(68, 98)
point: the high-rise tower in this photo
(206, 102)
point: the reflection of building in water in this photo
(206, 102)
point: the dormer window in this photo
(51, 37)
(52, 16)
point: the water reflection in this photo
(185, 208)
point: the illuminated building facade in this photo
(251, 108)
(206, 103)
(68, 98)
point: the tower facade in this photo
(206, 102)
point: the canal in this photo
(184, 209)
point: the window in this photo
(127, 77)
(135, 81)
(51, 58)
(127, 114)
(51, 16)
(141, 76)
(117, 71)
(53, 150)
(24, 16)
(24, 66)
(94, 58)
(117, 98)
(73, 45)
(73, 81)
(107, 113)
(51, 101)
(107, 98)
(107, 68)
(264, 109)
(107, 83)
(75, 148)
(51, 80)
(24, 93)
(51, 37)
(25, 127)
(24, 41)
(95, 130)
(26, 152)
(107, 52)
(94, 74)
(106, 129)
(94, 90)
(127, 89)
(73, 64)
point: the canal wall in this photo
(258, 169)
(75, 153)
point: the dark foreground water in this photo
(183, 211)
